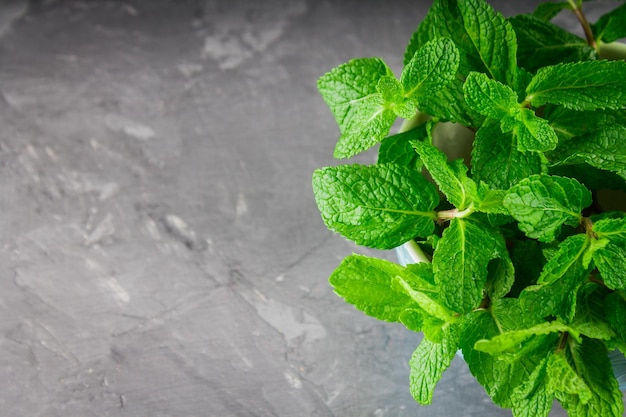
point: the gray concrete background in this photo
(161, 250)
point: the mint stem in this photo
(591, 41)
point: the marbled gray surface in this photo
(161, 250)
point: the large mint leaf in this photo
(500, 378)
(497, 160)
(586, 85)
(532, 132)
(461, 260)
(611, 26)
(380, 206)
(432, 67)
(450, 177)
(611, 263)
(429, 361)
(603, 149)
(541, 43)
(591, 319)
(384, 290)
(568, 123)
(590, 363)
(351, 92)
(543, 203)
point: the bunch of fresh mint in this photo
(525, 269)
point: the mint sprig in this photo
(521, 260)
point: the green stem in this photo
(614, 51)
(418, 119)
(416, 252)
(591, 41)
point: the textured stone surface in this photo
(161, 251)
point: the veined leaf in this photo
(511, 340)
(612, 229)
(374, 287)
(603, 398)
(603, 149)
(611, 26)
(568, 123)
(533, 398)
(429, 361)
(489, 97)
(586, 85)
(497, 160)
(564, 379)
(616, 314)
(547, 11)
(571, 250)
(591, 319)
(500, 378)
(611, 263)
(543, 203)
(380, 206)
(393, 97)
(532, 133)
(451, 178)
(541, 43)
(397, 149)
(432, 67)
(460, 262)
(351, 92)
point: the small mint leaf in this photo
(616, 314)
(432, 67)
(547, 11)
(497, 161)
(586, 85)
(533, 398)
(532, 133)
(570, 251)
(450, 177)
(392, 94)
(590, 319)
(429, 361)
(612, 229)
(351, 93)
(543, 203)
(489, 97)
(380, 206)
(565, 380)
(397, 149)
(611, 26)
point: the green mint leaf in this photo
(603, 149)
(615, 305)
(611, 26)
(501, 276)
(490, 201)
(489, 97)
(498, 101)
(497, 161)
(541, 43)
(532, 133)
(450, 177)
(429, 361)
(512, 340)
(351, 93)
(547, 11)
(485, 39)
(590, 362)
(569, 123)
(559, 297)
(380, 206)
(543, 203)
(500, 378)
(533, 398)
(372, 286)
(392, 94)
(612, 229)
(432, 67)
(586, 85)
(590, 319)
(570, 251)
(611, 263)
(565, 380)
(397, 149)
(461, 260)
(448, 104)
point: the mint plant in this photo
(522, 265)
